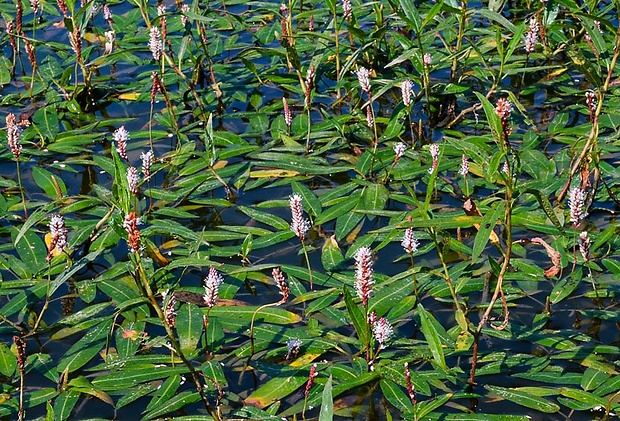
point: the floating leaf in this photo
(327, 404)
(524, 399)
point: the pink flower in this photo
(363, 274)
(299, 225)
(346, 8)
(58, 232)
(132, 180)
(212, 287)
(406, 89)
(282, 285)
(121, 137)
(130, 224)
(363, 77)
(382, 331)
(464, 166)
(427, 59)
(288, 117)
(409, 243)
(576, 203)
(13, 134)
(532, 36)
(584, 245)
(155, 44)
(147, 162)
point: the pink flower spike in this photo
(584, 245)
(132, 180)
(464, 166)
(409, 243)
(212, 287)
(299, 225)
(288, 117)
(406, 89)
(278, 276)
(363, 77)
(576, 203)
(363, 274)
(155, 43)
(121, 137)
(382, 331)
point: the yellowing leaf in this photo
(273, 173)
(304, 360)
(130, 96)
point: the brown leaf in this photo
(553, 254)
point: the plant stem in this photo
(303, 247)
(144, 282)
(21, 189)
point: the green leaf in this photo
(64, 404)
(132, 377)
(525, 399)
(589, 399)
(592, 379)
(331, 256)
(395, 395)
(277, 389)
(374, 197)
(128, 338)
(337, 210)
(431, 336)
(312, 205)
(31, 249)
(327, 404)
(173, 404)
(135, 393)
(424, 408)
(486, 226)
(244, 313)
(189, 327)
(51, 184)
(8, 361)
(493, 119)
(84, 350)
(5, 70)
(346, 223)
(565, 287)
(266, 218)
(387, 296)
(357, 316)
(46, 120)
(165, 392)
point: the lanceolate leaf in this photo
(431, 336)
(525, 399)
(327, 404)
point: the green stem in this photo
(143, 283)
(303, 247)
(21, 190)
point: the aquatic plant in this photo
(336, 210)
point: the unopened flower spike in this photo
(278, 276)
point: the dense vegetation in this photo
(356, 210)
